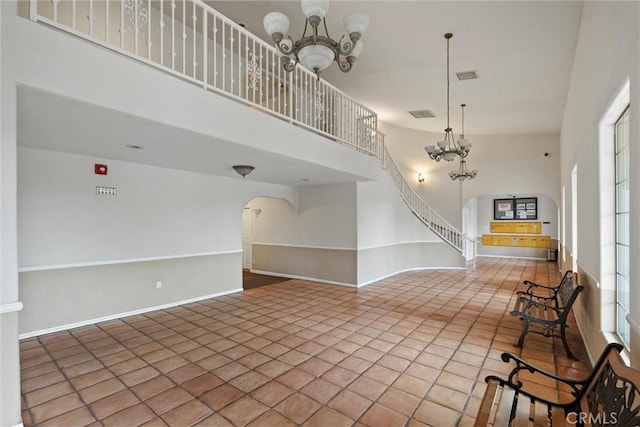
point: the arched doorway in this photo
(263, 227)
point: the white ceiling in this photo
(49, 121)
(522, 51)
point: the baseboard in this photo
(312, 279)
(360, 285)
(121, 315)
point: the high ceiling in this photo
(522, 52)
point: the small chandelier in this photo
(243, 170)
(447, 149)
(462, 173)
(316, 52)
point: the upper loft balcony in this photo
(190, 40)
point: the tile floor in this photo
(410, 350)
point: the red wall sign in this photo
(101, 169)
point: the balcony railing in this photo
(194, 42)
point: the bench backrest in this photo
(612, 396)
(568, 275)
(568, 292)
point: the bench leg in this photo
(564, 342)
(525, 330)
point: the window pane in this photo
(622, 196)
(622, 255)
(622, 234)
(623, 292)
(621, 139)
(622, 165)
(623, 327)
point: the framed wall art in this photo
(517, 208)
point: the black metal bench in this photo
(541, 313)
(610, 395)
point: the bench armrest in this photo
(526, 297)
(533, 286)
(528, 303)
(521, 365)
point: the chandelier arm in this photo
(346, 47)
(326, 31)
(285, 48)
(290, 64)
(345, 65)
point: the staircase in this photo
(192, 41)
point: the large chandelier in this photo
(448, 149)
(316, 52)
(462, 173)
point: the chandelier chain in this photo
(448, 127)
(448, 148)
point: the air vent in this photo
(467, 75)
(422, 114)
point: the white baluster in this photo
(90, 17)
(136, 32)
(173, 34)
(55, 10)
(161, 24)
(195, 57)
(215, 51)
(106, 21)
(205, 47)
(184, 36)
(73, 14)
(149, 42)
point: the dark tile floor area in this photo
(410, 350)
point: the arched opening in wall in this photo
(519, 234)
(264, 227)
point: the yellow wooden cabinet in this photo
(516, 227)
(499, 240)
(514, 240)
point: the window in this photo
(621, 143)
(574, 218)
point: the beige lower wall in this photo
(322, 264)
(55, 298)
(511, 251)
(9, 370)
(588, 310)
(635, 349)
(377, 263)
(594, 311)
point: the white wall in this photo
(385, 219)
(9, 296)
(607, 56)
(507, 164)
(391, 238)
(325, 217)
(156, 213)
(314, 240)
(84, 256)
